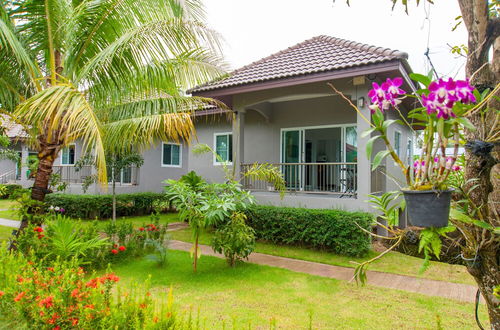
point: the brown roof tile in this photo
(318, 54)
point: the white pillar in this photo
(24, 166)
(238, 141)
(364, 164)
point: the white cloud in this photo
(257, 28)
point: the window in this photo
(409, 152)
(397, 143)
(223, 148)
(68, 155)
(171, 155)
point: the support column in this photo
(24, 181)
(238, 141)
(364, 164)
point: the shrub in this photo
(100, 206)
(129, 242)
(333, 230)
(63, 296)
(12, 191)
(64, 239)
(234, 239)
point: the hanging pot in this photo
(428, 208)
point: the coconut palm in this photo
(108, 72)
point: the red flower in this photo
(142, 306)
(40, 236)
(1, 293)
(38, 229)
(89, 306)
(74, 293)
(19, 296)
(141, 228)
(115, 245)
(109, 277)
(122, 248)
(56, 328)
(93, 283)
(114, 251)
(50, 269)
(74, 321)
(47, 302)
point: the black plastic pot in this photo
(428, 208)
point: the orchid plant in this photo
(442, 117)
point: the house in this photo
(286, 114)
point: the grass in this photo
(258, 294)
(7, 203)
(5, 233)
(393, 262)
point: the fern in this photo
(430, 243)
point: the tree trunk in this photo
(195, 261)
(482, 35)
(46, 159)
(114, 193)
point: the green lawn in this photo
(393, 262)
(7, 203)
(256, 294)
(5, 233)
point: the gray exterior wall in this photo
(259, 120)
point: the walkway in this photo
(10, 223)
(456, 291)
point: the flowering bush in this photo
(445, 104)
(63, 296)
(129, 242)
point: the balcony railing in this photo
(326, 178)
(71, 174)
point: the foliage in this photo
(389, 206)
(340, 232)
(204, 205)
(100, 206)
(430, 243)
(63, 239)
(160, 255)
(12, 191)
(235, 239)
(64, 296)
(101, 72)
(5, 151)
(128, 241)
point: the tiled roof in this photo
(12, 129)
(318, 54)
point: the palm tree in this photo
(108, 72)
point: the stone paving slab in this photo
(10, 223)
(455, 291)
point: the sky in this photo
(253, 29)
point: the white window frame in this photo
(398, 151)
(180, 154)
(216, 162)
(62, 151)
(410, 151)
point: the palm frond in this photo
(143, 132)
(63, 114)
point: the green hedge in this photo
(13, 190)
(100, 206)
(331, 230)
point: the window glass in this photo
(171, 154)
(351, 144)
(224, 148)
(397, 143)
(68, 155)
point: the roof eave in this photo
(303, 79)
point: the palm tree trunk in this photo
(46, 160)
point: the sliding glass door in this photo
(313, 157)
